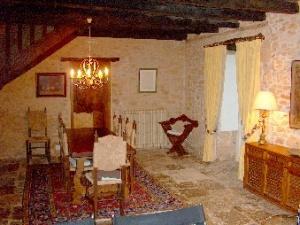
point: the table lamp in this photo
(264, 102)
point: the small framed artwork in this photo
(295, 95)
(51, 84)
(147, 80)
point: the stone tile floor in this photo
(12, 179)
(215, 185)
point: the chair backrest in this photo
(109, 153)
(115, 124)
(65, 145)
(60, 127)
(186, 216)
(120, 126)
(128, 131)
(98, 119)
(37, 122)
(83, 120)
(133, 135)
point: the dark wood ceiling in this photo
(158, 19)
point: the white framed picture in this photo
(147, 80)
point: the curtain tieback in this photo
(211, 132)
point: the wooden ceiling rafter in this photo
(136, 16)
(131, 7)
(275, 6)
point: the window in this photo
(229, 115)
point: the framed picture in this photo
(295, 95)
(51, 85)
(147, 80)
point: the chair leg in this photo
(29, 151)
(95, 201)
(180, 150)
(121, 199)
(48, 151)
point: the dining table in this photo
(81, 145)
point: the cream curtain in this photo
(248, 83)
(214, 67)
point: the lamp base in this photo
(262, 139)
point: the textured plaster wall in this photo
(18, 95)
(279, 49)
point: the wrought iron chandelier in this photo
(90, 74)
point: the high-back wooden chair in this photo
(68, 163)
(130, 138)
(37, 134)
(82, 120)
(120, 126)
(115, 124)
(133, 135)
(60, 131)
(129, 133)
(109, 167)
(98, 119)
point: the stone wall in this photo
(180, 67)
(18, 95)
(279, 49)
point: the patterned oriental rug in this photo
(46, 201)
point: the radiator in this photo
(149, 132)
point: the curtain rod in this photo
(235, 40)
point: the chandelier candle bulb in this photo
(72, 73)
(100, 74)
(106, 71)
(78, 74)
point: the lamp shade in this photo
(265, 100)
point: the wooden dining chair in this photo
(120, 126)
(129, 134)
(130, 138)
(109, 168)
(82, 120)
(98, 119)
(68, 163)
(37, 134)
(115, 124)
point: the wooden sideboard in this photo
(273, 173)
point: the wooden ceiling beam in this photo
(141, 17)
(150, 8)
(276, 6)
(142, 34)
(123, 20)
